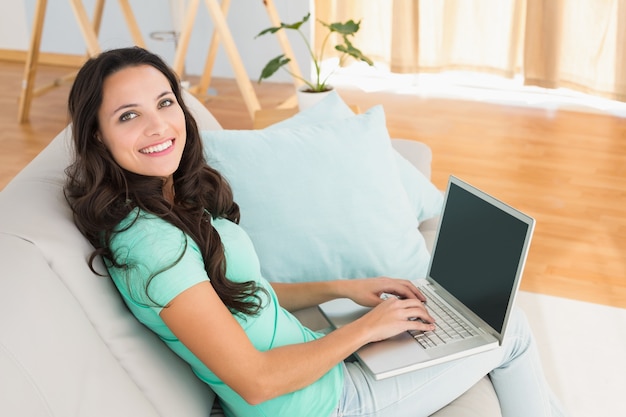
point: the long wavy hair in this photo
(101, 193)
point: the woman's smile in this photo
(158, 149)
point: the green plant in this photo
(344, 30)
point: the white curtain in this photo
(579, 44)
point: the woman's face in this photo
(141, 123)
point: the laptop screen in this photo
(479, 252)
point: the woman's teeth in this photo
(158, 148)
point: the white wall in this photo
(246, 19)
(13, 26)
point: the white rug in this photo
(587, 375)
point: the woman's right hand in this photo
(394, 316)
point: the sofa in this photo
(68, 345)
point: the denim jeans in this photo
(514, 369)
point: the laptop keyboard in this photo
(449, 327)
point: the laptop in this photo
(474, 274)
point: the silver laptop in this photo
(473, 277)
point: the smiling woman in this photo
(188, 271)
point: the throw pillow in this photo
(322, 201)
(425, 198)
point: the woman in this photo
(165, 224)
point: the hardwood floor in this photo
(567, 169)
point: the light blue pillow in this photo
(322, 201)
(425, 198)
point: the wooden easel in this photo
(89, 31)
(221, 33)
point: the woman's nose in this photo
(155, 125)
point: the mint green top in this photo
(151, 245)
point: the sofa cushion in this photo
(322, 201)
(425, 198)
(53, 360)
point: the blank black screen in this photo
(478, 253)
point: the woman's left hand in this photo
(367, 291)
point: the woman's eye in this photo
(166, 103)
(127, 116)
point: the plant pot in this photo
(308, 99)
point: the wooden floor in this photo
(566, 169)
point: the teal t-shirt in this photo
(154, 248)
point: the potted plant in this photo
(345, 47)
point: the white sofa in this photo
(68, 345)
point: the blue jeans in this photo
(514, 369)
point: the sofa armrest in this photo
(417, 153)
(204, 118)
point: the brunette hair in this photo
(101, 193)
